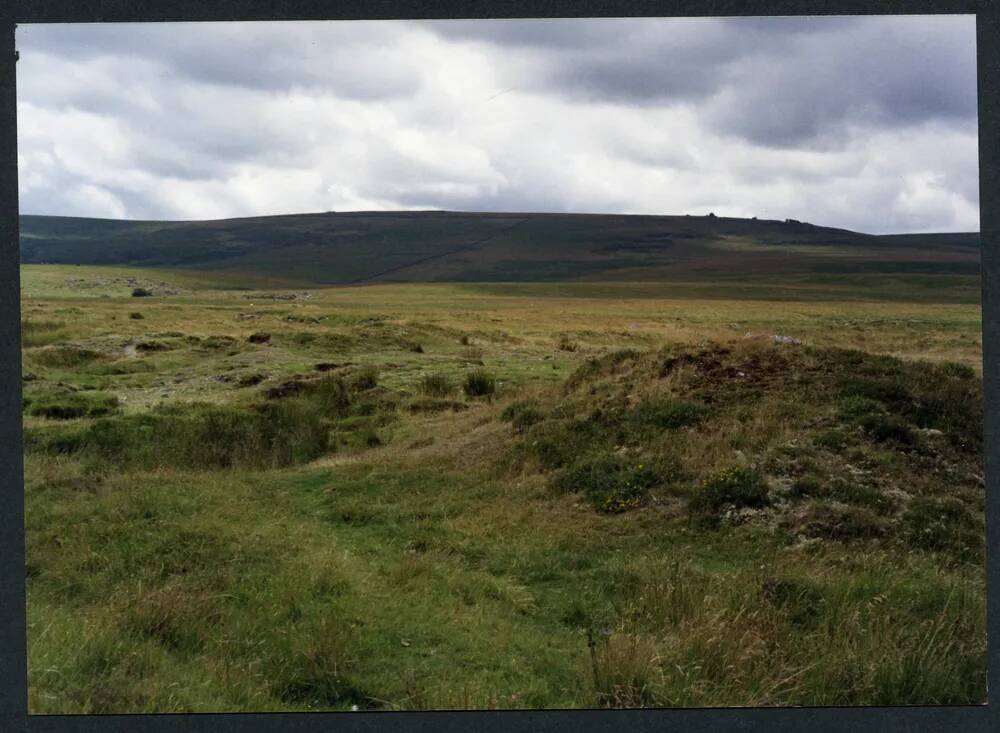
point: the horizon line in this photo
(710, 215)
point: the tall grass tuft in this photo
(41, 333)
(479, 383)
(623, 670)
(436, 385)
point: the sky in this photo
(866, 123)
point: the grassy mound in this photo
(816, 442)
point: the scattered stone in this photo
(259, 338)
(779, 339)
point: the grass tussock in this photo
(282, 432)
(35, 333)
(689, 638)
(479, 383)
(730, 489)
(436, 385)
(71, 405)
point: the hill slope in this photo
(434, 246)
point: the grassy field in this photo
(245, 494)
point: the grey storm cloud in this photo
(868, 122)
(259, 56)
(777, 81)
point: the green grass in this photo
(219, 525)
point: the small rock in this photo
(779, 339)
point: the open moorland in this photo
(630, 485)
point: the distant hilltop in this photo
(344, 248)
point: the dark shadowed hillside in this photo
(433, 246)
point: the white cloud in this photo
(863, 123)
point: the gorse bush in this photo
(611, 483)
(479, 383)
(730, 488)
